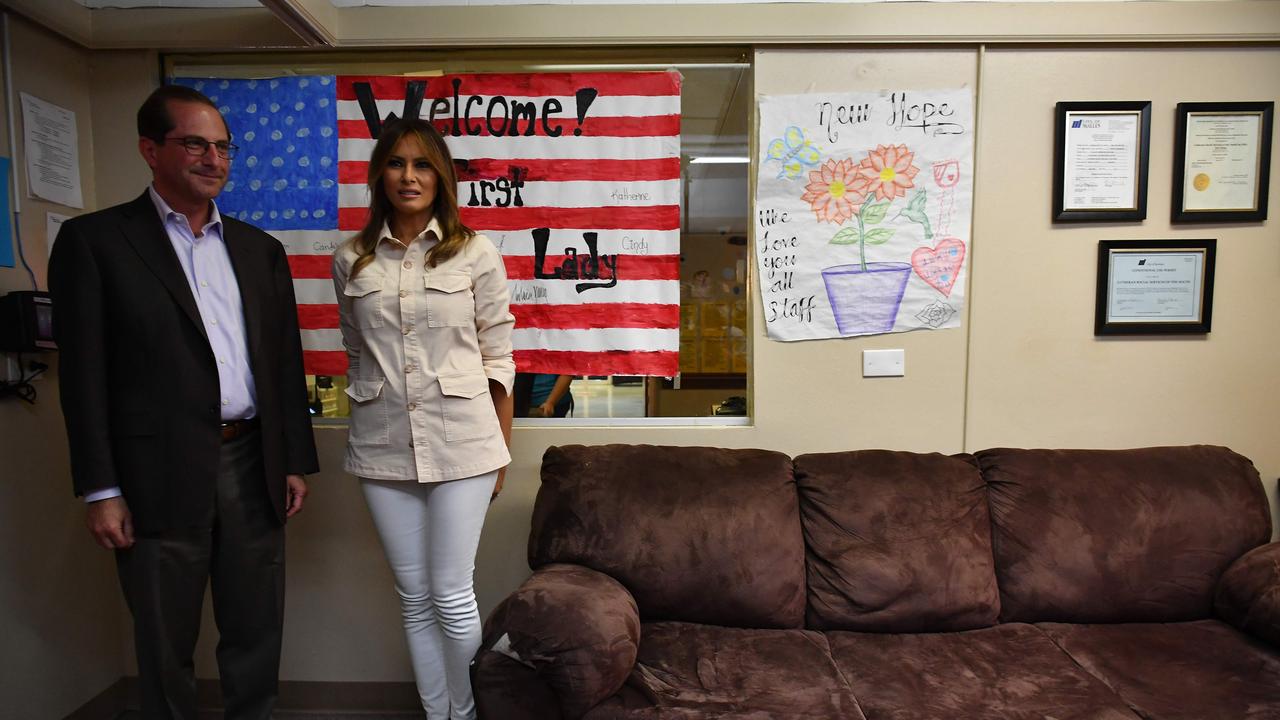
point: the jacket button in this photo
(408, 369)
(404, 293)
(412, 406)
(408, 264)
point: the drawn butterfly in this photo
(794, 151)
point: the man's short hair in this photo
(154, 120)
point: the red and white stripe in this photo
(618, 176)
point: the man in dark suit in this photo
(182, 387)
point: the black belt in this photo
(236, 428)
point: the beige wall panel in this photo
(811, 395)
(828, 23)
(342, 615)
(48, 67)
(1038, 376)
(61, 616)
(121, 81)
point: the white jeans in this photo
(430, 532)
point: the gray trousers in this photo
(239, 549)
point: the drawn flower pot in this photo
(866, 301)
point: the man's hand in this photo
(297, 494)
(110, 523)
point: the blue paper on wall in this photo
(285, 175)
(6, 218)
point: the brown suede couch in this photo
(689, 583)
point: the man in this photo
(186, 408)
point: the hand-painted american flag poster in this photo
(574, 176)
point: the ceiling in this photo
(169, 3)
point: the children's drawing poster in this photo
(863, 202)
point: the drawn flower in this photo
(835, 191)
(936, 314)
(888, 171)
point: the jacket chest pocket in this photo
(365, 291)
(450, 302)
(467, 407)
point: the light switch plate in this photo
(884, 363)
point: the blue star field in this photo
(285, 175)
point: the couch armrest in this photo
(507, 690)
(1248, 593)
(578, 629)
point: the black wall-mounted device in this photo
(26, 322)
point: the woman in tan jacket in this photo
(423, 306)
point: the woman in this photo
(423, 306)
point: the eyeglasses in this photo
(197, 145)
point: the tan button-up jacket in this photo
(423, 344)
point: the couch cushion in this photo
(1248, 595)
(693, 672)
(696, 534)
(1010, 672)
(1181, 671)
(896, 542)
(1119, 535)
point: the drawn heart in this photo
(939, 265)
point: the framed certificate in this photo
(1154, 287)
(1100, 161)
(1222, 162)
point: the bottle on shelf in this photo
(328, 396)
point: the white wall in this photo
(61, 615)
(1038, 376)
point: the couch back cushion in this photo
(896, 542)
(1102, 536)
(696, 534)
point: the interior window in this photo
(714, 349)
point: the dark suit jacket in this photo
(138, 378)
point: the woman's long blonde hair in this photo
(454, 235)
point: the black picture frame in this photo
(1073, 112)
(1154, 269)
(1257, 210)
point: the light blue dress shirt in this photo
(207, 265)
